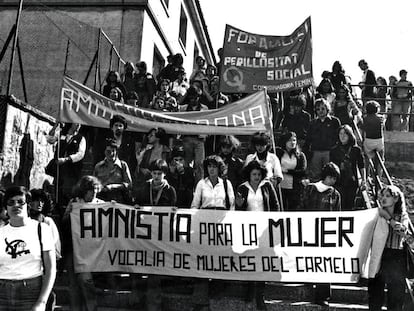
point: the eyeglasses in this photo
(13, 202)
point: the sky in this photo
(381, 32)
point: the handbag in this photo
(51, 168)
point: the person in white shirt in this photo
(27, 256)
(213, 192)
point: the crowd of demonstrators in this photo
(312, 166)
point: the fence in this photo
(59, 44)
(393, 108)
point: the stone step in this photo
(340, 293)
(178, 303)
(170, 285)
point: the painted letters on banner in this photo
(260, 246)
(251, 62)
(80, 104)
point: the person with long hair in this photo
(157, 148)
(116, 95)
(27, 256)
(40, 209)
(349, 158)
(294, 164)
(337, 75)
(113, 80)
(82, 294)
(227, 148)
(390, 267)
(258, 195)
(326, 90)
(380, 92)
(261, 144)
(344, 107)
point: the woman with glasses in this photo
(27, 256)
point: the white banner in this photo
(261, 246)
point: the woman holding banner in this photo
(389, 237)
(82, 288)
(256, 194)
(212, 193)
(155, 192)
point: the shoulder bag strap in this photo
(39, 234)
(226, 193)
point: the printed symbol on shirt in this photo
(16, 248)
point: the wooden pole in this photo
(16, 34)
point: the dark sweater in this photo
(348, 159)
(298, 123)
(328, 200)
(168, 196)
(322, 136)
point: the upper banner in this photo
(317, 247)
(80, 104)
(251, 62)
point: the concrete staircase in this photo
(225, 295)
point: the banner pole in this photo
(59, 121)
(16, 34)
(272, 137)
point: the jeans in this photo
(19, 295)
(194, 151)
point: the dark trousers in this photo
(19, 295)
(291, 199)
(392, 273)
(322, 292)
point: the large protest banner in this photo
(251, 62)
(261, 246)
(24, 149)
(80, 104)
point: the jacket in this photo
(270, 200)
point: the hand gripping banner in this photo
(251, 62)
(80, 104)
(253, 246)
